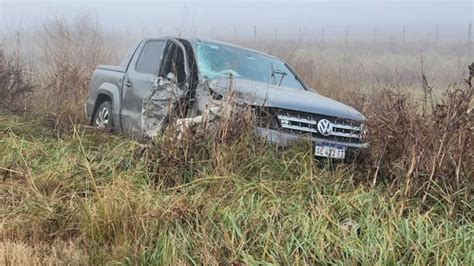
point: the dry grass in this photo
(417, 142)
(229, 197)
(67, 54)
(15, 82)
(18, 253)
(246, 204)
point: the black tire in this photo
(103, 116)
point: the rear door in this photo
(137, 83)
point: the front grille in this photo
(343, 130)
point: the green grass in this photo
(88, 198)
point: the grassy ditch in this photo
(87, 197)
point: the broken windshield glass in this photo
(218, 60)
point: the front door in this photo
(137, 83)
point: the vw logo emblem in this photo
(325, 127)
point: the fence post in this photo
(469, 42)
(469, 31)
(322, 35)
(375, 34)
(255, 32)
(404, 31)
(347, 35)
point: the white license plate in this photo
(328, 150)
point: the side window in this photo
(174, 62)
(150, 58)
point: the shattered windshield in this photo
(218, 60)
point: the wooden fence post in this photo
(347, 35)
(322, 35)
(469, 41)
(469, 31)
(404, 31)
(375, 35)
(255, 32)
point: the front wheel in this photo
(103, 116)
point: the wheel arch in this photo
(101, 98)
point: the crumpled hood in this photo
(262, 94)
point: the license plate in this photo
(329, 150)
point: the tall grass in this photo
(15, 82)
(60, 64)
(87, 192)
(225, 197)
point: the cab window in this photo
(150, 57)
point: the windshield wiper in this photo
(277, 71)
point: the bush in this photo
(423, 147)
(15, 82)
(69, 53)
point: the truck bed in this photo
(108, 78)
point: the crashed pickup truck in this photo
(136, 96)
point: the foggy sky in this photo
(226, 16)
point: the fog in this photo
(277, 19)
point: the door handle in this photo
(127, 83)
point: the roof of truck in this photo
(194, 40)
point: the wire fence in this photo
(323, 33)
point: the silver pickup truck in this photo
(199, 72)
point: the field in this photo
(74, 195)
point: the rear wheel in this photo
(103, 116)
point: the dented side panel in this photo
(158, 105)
